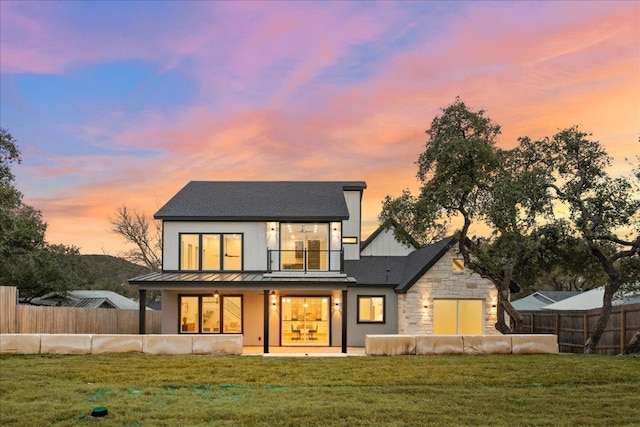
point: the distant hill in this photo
(111, 273)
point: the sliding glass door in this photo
(305, 321)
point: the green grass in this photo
(138, 390)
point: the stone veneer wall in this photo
(95, 344)
(441, 282)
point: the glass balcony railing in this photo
(305, 260)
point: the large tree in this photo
(550, 205)
(466, 179)
(146, 238)
(26, 260)
(596, 209)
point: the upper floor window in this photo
(305, 246)
(211, 251)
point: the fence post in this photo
(585, 320)
(623, 329)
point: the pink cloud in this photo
(532, 75)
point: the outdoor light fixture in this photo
(274, 300)
(425, 304)
(337, 303)
(216, 297)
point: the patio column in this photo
(344, 320)
(265, 308)
(142, 311)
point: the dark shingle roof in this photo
(260, 201)
(401, 272)
(376, 270)
(421, 261)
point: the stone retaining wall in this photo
(393, 345)
(95, 344)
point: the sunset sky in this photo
(122, 103)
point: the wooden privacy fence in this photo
(27, 319)
(574, 327)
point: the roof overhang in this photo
(238, 281)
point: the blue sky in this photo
(122, 103)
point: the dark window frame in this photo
(200, 321)
(384, 309)
(200, 234)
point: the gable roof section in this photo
(422, 260)
(399, 272)
(392, 224)
(260, 201)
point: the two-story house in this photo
(283, 264)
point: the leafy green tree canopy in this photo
(26, 260)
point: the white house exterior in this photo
(283, 264)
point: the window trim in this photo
(453, 266)
(200, 320)
(200, 240)
(384, 310)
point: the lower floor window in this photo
(457, 317)
(211, 314)
(370, 309)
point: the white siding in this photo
(351, 226)
(254, 243)
(385, 244)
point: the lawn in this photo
(140, 390)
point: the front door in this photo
(305, 321)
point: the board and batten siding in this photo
(351, 226)
(385, 244)
(254, 240)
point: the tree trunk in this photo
(505, 307)
(634, 345)
(591, 344)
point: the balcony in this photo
(305, 260)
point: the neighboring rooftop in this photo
(539, 299)
(86, 299)
(260, 201)
(590, 300)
